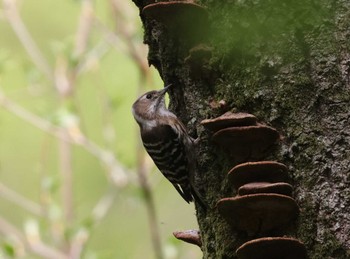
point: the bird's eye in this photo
(148, 96)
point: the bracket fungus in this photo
(189, 236)
(262, 171)
(272, 248)
(228, 120)
(262, 187)
(181, 17)
(246, 141)
(258, 213)
(264, 204)
(241, 135)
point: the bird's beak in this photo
(161, 94)
(164, 90)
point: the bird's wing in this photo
(166, 147)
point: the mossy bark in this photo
(288, 64)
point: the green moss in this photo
(331, 246)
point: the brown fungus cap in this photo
(261, 187)
(183, 18)
(229, 119)
(191, 236)
(247, 141)
(263, 171)
(258, 213)
(272, 248)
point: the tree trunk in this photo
(288, 63)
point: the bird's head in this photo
(151, 105)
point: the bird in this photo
(167, 142)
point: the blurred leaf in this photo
(50, 183)
(88, 222)
(65, 48)
(170, 251)
(54, 212)
(31, 229)
(8, 249)
(65, 118)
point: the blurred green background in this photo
(82, 90)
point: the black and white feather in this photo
(166, 141)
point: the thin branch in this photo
(117, 172)
(34, 245)
(64, 89)
(65, 85)
(84, 27)
(99, 211)
(21, 201)
(89, 58)
(102, 207)
(150, 206)
(144, 71)
(125, 44)
(13, 17)
(66, 171)
(82, 38)
(133, 49)
(110, 37)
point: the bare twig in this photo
(133, 49)
(82, 38)
(34, 245)
(65, 156)
(102, 207)
(118, 173)
(12, 15)
(66, 91)
(84, 27)
(125, 44)
(144, 71)
(99, 211)
(96, 53)
(64, 77)
(148, 197)
(27, 116)
(64, 87)
(21, 201)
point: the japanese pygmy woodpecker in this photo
(167, 142)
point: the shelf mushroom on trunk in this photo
(264, 204)
(272, 248)
(258, 214)
(241, 135)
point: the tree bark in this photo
(288, 64)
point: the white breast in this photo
(146, 124)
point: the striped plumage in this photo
(166, 148)
(166, 140)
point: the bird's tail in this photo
(198, 198)
(189, 194)
(184, 191)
